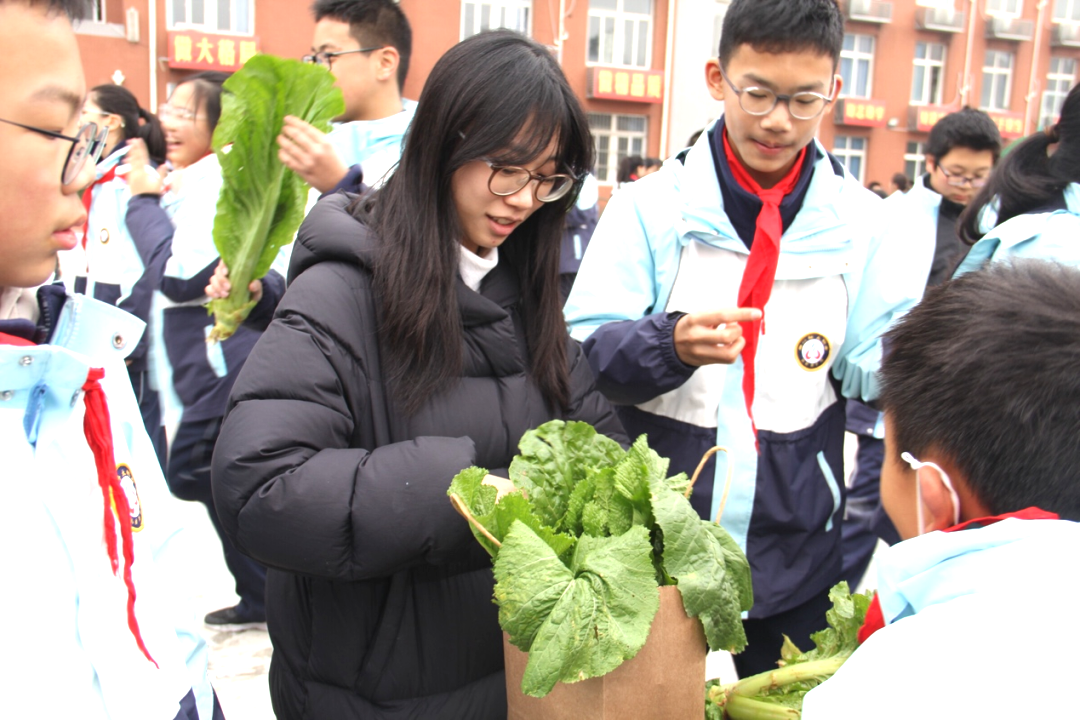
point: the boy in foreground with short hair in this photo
(95, 617)
(982, 415)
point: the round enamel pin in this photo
(127, 482)
(812, 351)
(103, 236)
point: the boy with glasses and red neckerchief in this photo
(95, 606)
(669, 303)
(972, 615)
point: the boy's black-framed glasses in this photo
(87, 144)
(325, 58)
(957, 180)
(509, 179)
(759, 101)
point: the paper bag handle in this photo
(463, 510)
(727, 483)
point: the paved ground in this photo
(239, 662)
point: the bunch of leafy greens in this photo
(262, 202)
(778, 694)
(582, 546)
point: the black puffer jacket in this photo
(379, 600)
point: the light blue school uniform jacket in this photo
(665, 246)
(374, 145)
(980, 624)
(1052, 234)
(70, 651)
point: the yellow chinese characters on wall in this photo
(194, 50)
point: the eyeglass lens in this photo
(761, 101)
(84, 140)
(509, 180)
(960, 181)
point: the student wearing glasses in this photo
(1031, 206)
(108, 263)
(366, 45)
(196, 375)
(961, 152)
(735, 298)
(99, 621)
(421, 334)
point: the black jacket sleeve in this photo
(292, 487)
(586, 402)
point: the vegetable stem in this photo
(739, 707)
(773, 679)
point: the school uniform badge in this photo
(103, 236)
(812, 351)
(131, 492)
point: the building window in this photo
(1067, 10)
(915, 160)
(479, 16)
(996, 80)
(616, 137)
(928, 79)
(857, 65)
(232, 16)
(851, 151)
(1059, 81)
(1010, 8)
(97, 11)
(620, 32)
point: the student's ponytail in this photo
(152, 134)
(1030, 177)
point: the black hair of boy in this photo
(983, 371)
(782, 26)
(901, 181)
(74, 9)
(1031, 177)
(373, 23)
(967, 128)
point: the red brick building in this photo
(637, 64)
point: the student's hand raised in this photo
(141, 177)
(714, 337)
(305, 150)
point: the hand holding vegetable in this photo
(220, 286)
(307, 152)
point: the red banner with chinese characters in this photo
(195, 50)
(1010, 124)
(625, 84)
(924, 117)
(861, 112)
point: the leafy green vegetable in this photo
(779, 693)
(262, 202)
(583, 545)
(577, 622)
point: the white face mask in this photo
(917, 465)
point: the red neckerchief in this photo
(760, 272)
(875, 618)
(6, 339)
(88, 199)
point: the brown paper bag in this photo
(664, 681)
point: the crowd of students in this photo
(439, 302)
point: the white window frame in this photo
(97, 11)
(845, 153)
(619, 19)
(926, 94)
(1059, 80)
(505, 10)
(991, 74)
(917, 160)
(858, 58)
(210, 8)
(619, 143)
(1005, 8)
(1066, 11)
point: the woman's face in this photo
(187, 133)
(487, 219)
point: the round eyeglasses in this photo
(761, 101)
(167, 112)
(325, 58)
(957, 180)
(508, 179)
(87, 144)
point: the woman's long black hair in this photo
(496, 95)
(1029, 178)
(136, 122)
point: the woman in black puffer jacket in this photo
(421, 333)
